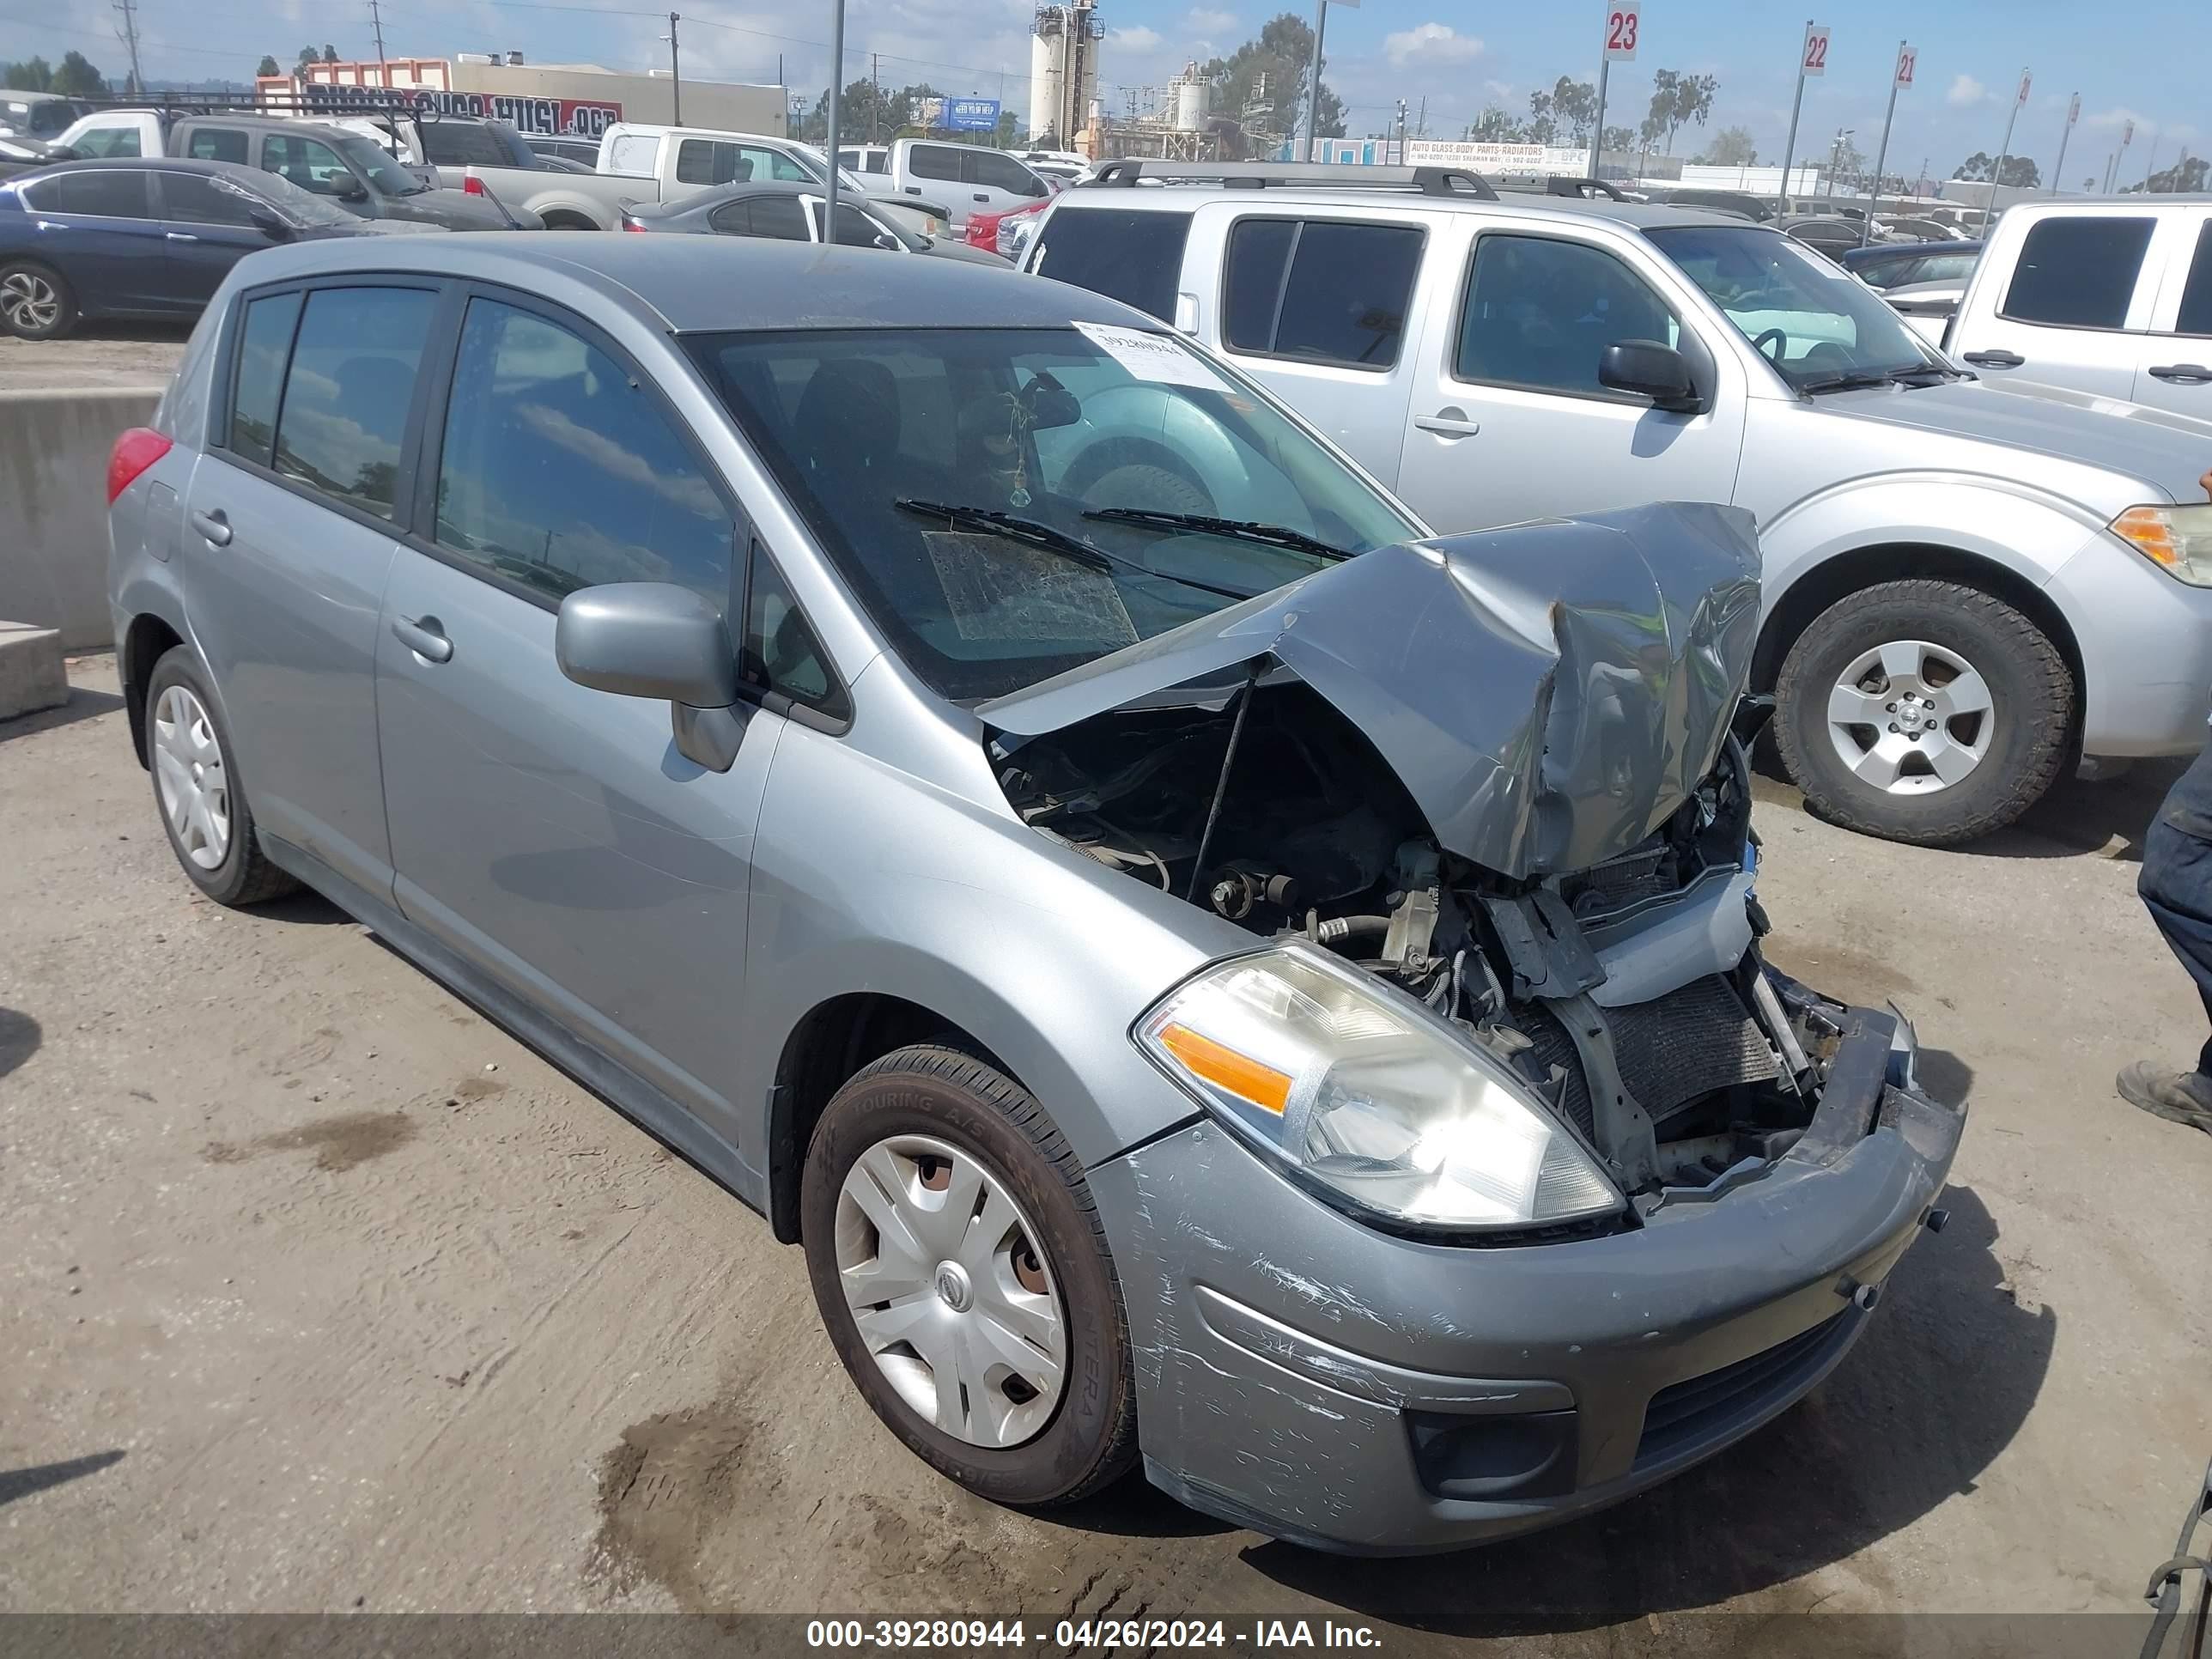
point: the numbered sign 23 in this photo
(1620, 30)
(1816, 60)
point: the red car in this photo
(983, 228)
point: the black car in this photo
(1893, 264)
(26, 154)
(150, 238)
(583, 152)
(792, 213)
(1825, 234)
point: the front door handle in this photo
(180, 236)
(1449, 421)
(1995, 359)
(213, 525)
(980, 197)
(425, 635)
(2183, 374)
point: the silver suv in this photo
(1967, 588)
(1197, 994)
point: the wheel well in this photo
(1865, 567)
(1103, 456)
(143, 645)
(560, 220)
(823, 1051)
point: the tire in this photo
(1139, 483)
(2001, 764)
(35, 302)
(241, 874)
(940, 1096)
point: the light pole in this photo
(1313, 78)
(2004, 152)
(1900, 76)
(2073, 114)
(1836, 159)
(836, 69)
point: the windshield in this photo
(1812, 319)
(1051, 428)
(384, 174)
(817, 168)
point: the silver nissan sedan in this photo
(1211, 975)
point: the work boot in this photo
(2178, 1097)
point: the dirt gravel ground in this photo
(321, 1292)
(97, 356)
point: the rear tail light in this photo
(472, 185)
(630, 223)
(137, 449)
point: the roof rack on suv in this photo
(361, 101)
(1331, 175)
(1559, 183)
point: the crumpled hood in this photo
(1548, 693)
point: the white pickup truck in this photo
(642, 165)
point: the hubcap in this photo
(28, 300)
(950, 1291)
(1911, 718)
(189, 773)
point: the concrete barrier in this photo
(53, 506)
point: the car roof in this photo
(694, 284)
(266, 123)
(1173, 195)
(1873, 251)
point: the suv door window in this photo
(113, 194)
(704, 161)
(105, 143)
(1319, 290)
(1540, 311)
(308, 163)
(265, 347)
(2196, 316)
(1131, 255)
(988, 168)
(217, 144)
(934, 161)
(193, 198)
(2077, 271)
(558, 471)
(774, 164)
(347, 395)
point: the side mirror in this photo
(269, 223)
(889, 244)
(657, 640)
(1650, 370)
(352, 191)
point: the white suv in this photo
(1967, 590)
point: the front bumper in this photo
(1320, 1381)
(2146, 646)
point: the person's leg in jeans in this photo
(2176, 886)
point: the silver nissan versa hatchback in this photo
(1209, 975)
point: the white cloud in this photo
(1966, 92)
(1138, 38)
(1434, 43)
(1206, 21)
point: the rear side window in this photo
(462, 144)
(559, 472)
(2078, 272)
(779, 216)
(1320, 290)
(2197, 298)
(347, 393)
(215, 144)
(934, 161)
(1130, 256)
(264, 346)
(633, 152)
(1540, 311)
(704, 161)
(117, 195)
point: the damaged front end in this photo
(1503, 773)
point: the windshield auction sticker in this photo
(1154, 357)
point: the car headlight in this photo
(1356, 1086)
(2177, 540)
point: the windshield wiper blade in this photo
(1034, 533)
(1853, 380)
(1243, 529)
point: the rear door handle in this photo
(2183, 374)
(1450, 423)
(1995, 359)
(181, 236)
(978, 196)
(425, 635)
(213, 525)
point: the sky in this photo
(2142, 59)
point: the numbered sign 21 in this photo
(1816, 60)
(1908, 58)
(1620, 31)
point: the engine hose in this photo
(1343, 927)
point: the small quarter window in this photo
(347, 395)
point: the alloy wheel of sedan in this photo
(29, 302)
(1911, 718)
(188, 769)
(951, 1291)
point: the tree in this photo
(268, 66)
(1677, 99)
(2188, 173)
(1266, 75)
(1731, 147)
(32, 74)
(1618, 139)
(330, 53)
(77, 78)
(1564, 115)
(1496, 126)
(2019, 172)
(309, 55)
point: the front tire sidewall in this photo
(226, 881)
(1082, 1446)
(2031, 692)
(65, 313)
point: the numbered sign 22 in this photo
(1620, 31)
(1816, 60)
(1908, 58)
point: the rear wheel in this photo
(960, 1267)
(1927, 712)
(35, 303)
(196, 788)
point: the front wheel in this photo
(35, 303)
(963, 1276)
(1927, 712)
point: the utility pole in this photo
(1421, 121)
(829, 137)
(2004, 152)
(376, 19)
(1900, 75)
(875, 97)
(1313, 79)
(675, 71)
(129, 35)
(1811, 59)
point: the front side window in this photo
(265, 347)
(106, 143)
(704, 161)
(103, 195)
(1540, 311)
(1104, 448)
(2196, 316)
(1131, 255)
(2077, 271)
(854, 228)
(347, 395)
(194, 199)
(774, 164)
(992, 171)
(307, 163)
(1321, 291)
(217, 144)
(558, 471)
(1808, 317)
